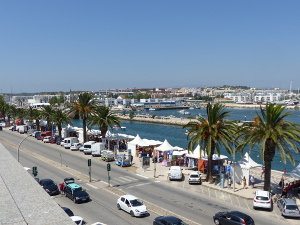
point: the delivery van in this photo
(97, 148)
(45, 133)
(87, 147)
(175, 173)
(69, 141)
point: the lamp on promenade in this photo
(19, 147)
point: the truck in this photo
(69, 141)
(87, 147)
(22, 129)
(45, 133)
(97, 148)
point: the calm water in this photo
(176, 137)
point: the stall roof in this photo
(165, 146)
(247, 162)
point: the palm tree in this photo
(3, 107)
(211, 133)
(103, 118)
(60, 117)
(35, 115)
(271, 132)
(21, 114)
(47, 112)
(84, 106)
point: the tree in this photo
(271, 132)
(47, 112)
(60, 117)
(211, 133)
(4, 107)
(84, 106)
(103, 118)
(21, 114)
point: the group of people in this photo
(244, 182)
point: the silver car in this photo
(288, 207)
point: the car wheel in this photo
(217, 222)
(118, 206)
(131, 213)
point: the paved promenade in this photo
(247, 193)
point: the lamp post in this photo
(19, 147)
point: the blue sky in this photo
(60, 45)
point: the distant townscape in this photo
(156, 98)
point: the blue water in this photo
(176, 137)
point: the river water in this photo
(176, 135)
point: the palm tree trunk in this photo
(84, 129)
(267, 182)
(209, 176)
(59, 129)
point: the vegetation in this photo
(211, 133)
(102, 117)
(271, 133)
(60, 117)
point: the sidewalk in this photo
(161, 174)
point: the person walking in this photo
(61, 188)
(229, 183)
(244, 182)
(252, 180)
(263, 170)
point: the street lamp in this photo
(19, 147)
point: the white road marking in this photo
(142, 176)
(92, 186)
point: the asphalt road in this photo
(161, 198)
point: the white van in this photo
(69, 141)
(97, 148)
(87, 147)
(175, 173)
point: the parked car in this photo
(233, 217)
(175, 173)
(47, 139)
(62, 143)
(12, 128)
(194, 178)
(132, 205)
(288, 207)
(76, 219)
(75, 146)
(262, 199)
(76, 193)
(59, 140)
(52, 140)
(166, 220)
(49, 186)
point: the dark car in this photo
(68, 211)
(58, 140)
(168, 220)
(233, 218)
(50, 186)
(76, 193)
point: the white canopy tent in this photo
(242, 168)
(165, 146)
(295, 173)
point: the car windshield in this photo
(291, 207)
(136, 202)
(194, 176)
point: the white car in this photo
(62, 143)
(77, 220)
(262, 199)
(132, 205)
(194, 178)
(76, 146)
(46, 139)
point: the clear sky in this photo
(58, 45)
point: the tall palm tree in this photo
(21, 114)
(60, 117)
(104, 119)
(271, 132)
(4, 107)
(211, 133)
(47, 112)
(84, 106)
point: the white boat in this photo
(116, 127)
(152, 109)
(184, 112)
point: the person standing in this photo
(263, 170)
(244, 182)
(252, 180)
(229, 183)
(284, 171)
(61, 188)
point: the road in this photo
(192, 203)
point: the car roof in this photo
(42, 180)
(237, 213)
(129, 197)
(262, 193)
(74, 185)
(289, 201)
(171, 219)
(194, 173)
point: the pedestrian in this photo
(244, 182)
(284, 171)
(252, 180)
(131, 158)
(263, 170)
(284, 193)
(229, 183)
(61, 188)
